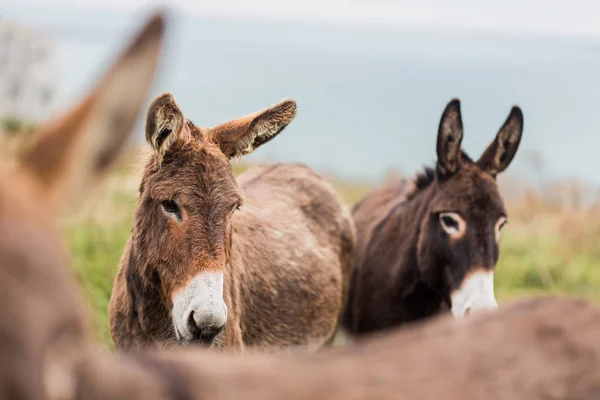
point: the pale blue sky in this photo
(577, 18)
(399, 77)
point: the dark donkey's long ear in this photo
(74, 151)
(501, 151)
(245, 134)
(450, 134)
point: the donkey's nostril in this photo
(204, 333)
(468, 311)
(192, 322)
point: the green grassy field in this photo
(548, 247)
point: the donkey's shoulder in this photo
(286, 176)
(393, 192)
(278, 189)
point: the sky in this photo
(411, 71)
(558, 18)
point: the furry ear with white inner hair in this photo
(164, 124)
(245, 134)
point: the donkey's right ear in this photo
(73, 152)
(450, 134)
(502, 150)
(164, 123)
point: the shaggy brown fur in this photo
(407, 266)
(285, 255)
(537, 349)
(41, 323)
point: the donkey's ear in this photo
(501, 151)
(164, 123)
(450, 134)
(74, 151)
(245, 134)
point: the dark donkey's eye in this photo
(502, 222)
(449, 222)
(171, 207)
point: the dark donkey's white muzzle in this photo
(475, 294)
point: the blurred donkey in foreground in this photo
(537, 349)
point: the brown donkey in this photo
(431, 244)
(41, 322)
(265, 260)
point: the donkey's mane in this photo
(429, 175)
(425, 178)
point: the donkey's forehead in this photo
(192, 167)
(470, 190)
(21, 196)
(195, 153)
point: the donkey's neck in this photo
(147, 314)
(413, 295)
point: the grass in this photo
(550, 246)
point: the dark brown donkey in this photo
(41, 323)
(431, 244)
(265, 259)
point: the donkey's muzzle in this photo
(199, 311)
(476, 294)
(203, 332)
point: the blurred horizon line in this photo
(379, 21)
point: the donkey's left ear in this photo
(245, 134)
(499, 154)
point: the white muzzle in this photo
(475, 294)
(199, 312)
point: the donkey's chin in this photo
(204, 338)
(198, 340)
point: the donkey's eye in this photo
(452, 224)
(235, 207)
(171, 207)
(501, 222)
(449, 222)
